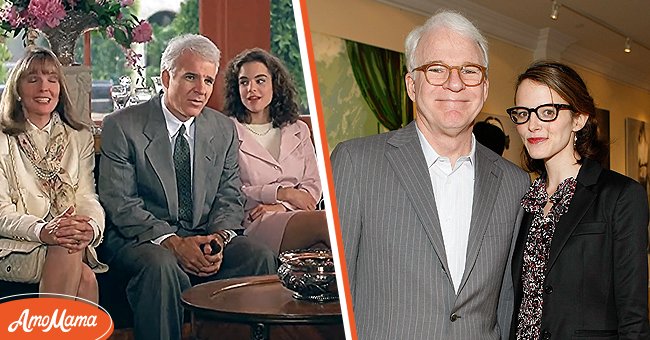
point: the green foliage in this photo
(108, 58)
(4, 56)
(186, 21)
(284, 44)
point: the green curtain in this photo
(380, 76)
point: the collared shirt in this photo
(173, 125)
(40, 136)
(453, 189)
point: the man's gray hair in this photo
(194, 43)
(444, 19)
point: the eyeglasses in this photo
(545, 112)
(437, 73)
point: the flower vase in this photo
(63, 38)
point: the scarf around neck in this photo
(52, 178)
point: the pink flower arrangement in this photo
(142, 33)
(113, 18)
(44, 13)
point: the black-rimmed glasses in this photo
(545, 112)
(438, 73)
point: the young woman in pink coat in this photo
(277, 159)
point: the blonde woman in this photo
(47, 193)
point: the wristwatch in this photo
(226, 236)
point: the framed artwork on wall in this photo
(636, 150)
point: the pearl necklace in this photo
(45, 174)
(258, 133)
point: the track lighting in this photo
(554, 9)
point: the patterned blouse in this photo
(537, 248)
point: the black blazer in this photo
(597, 276)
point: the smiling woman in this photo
(48, 198)
(39, 93)
(584, 234)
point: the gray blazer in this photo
(137, 183)
(394, 250)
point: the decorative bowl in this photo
(309, 274)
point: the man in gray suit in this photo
(429, 215)
(169, 182)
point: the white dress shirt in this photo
(453, 190)
(173, 125)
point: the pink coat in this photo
(262, 175)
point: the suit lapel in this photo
(582, 199)
(158, 153)
(487, 179)
(203, 140)
(407, 160)
(290, 141)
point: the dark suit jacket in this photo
(597, 276)
(137, 183)
(394, 248)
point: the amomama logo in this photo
(53, 318)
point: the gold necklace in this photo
(258, 133)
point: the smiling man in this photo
(427, 213)
(169, 182)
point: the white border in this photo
(318, 141)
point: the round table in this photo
(261, 307)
